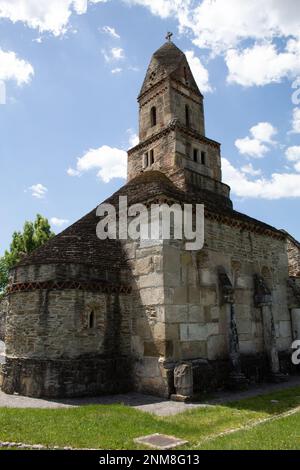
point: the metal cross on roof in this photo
(169, 36)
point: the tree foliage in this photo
(34, 235)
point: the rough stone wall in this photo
(178, 309)
(293, 249)
(148, 342)
(54, 324)
(49, 331)
(199, 326)
(182, 96)
(3, 314)
(160, 98)
(173, 156)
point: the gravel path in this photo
(146, 403)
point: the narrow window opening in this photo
(187, 116)
(151, 157)
(185, 75)
(203, 158)
(92, 320)
(153, 116)
(195, 155)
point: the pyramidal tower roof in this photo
(167, 61)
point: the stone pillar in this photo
(295, 314)
(263, 300)
(237, 380)
(233, 339)
(270, 338)
(183, 382)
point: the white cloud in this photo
(111, 32)
(38, 190)
(264, 131)
(117, 53)
(251, 147)
(114, 54)
(259, 143)
(162, 8)
(116, 70)
(296, 121)
(14, 68)
(263, 64)
(225, 31)
(133, 138)
(293, 155)
(280, 185)
(220, 30)
(199, 71)
(109, 162)
(73, 172)
(249, 170)
(45, 15)
(58, 222)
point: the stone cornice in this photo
(94, 286)
(172, 126)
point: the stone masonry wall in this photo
(3, 314)
(195, 318)
(294, 257)
(177, 314)
(53, 348)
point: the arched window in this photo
(92, 320)
(153, 116)
(187, 116)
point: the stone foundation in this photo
(66, 378)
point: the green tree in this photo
(34, 235)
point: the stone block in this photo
(148, 367)
(217, 347)
(212, 328)
(192, 350)
(176, 313)
(180, 295)
(158, 348)
(195, 314)
(152, 296)
(152, 279)
(137, 346)
(285, 330)
(193, 332)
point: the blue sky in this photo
(72, 70)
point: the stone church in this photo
(87, 316)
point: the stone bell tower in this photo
(172, 128)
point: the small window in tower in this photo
(151, 157)
(153, 116)
(203, 158)
(187, 116)
(185, 75)
(91, 320)
(195, 155)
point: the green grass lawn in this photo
(115, 426)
